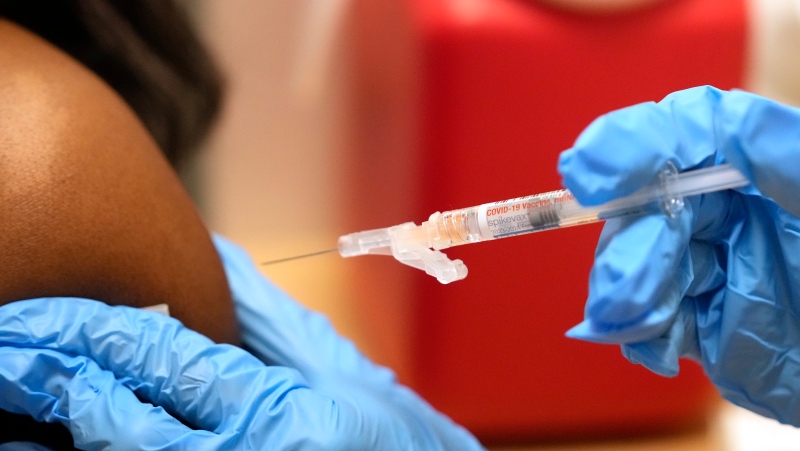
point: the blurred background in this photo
(347, 115)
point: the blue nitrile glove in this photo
(719, 284)
(121, 378)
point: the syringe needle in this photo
(281, 260)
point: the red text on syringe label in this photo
(513, 216)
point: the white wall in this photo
(269, 178)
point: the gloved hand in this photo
(720, 283)
(122, 378)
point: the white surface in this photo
(742, 430)
(774, 50)
(271, 169)
(158, 308)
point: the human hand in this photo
(721, 282)
(122, 378)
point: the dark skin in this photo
(91, 208)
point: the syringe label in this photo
(521, 215)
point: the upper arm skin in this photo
(90, 207)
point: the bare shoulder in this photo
(90, 206)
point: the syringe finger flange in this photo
(671, 203)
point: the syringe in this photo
(420, 245)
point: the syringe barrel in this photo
(419, 246)
(507, 218)
(559, 209)
(452, 228)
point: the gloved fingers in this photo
(707, 262)
(644, 266)
(696, 321)
(279, 331)
(662, 354)
(640, 273)
(99, 412)
(155, 356)
(760, 138)
(233, 397)
(626, 149)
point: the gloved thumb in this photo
(761, 138)
(99, 411)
